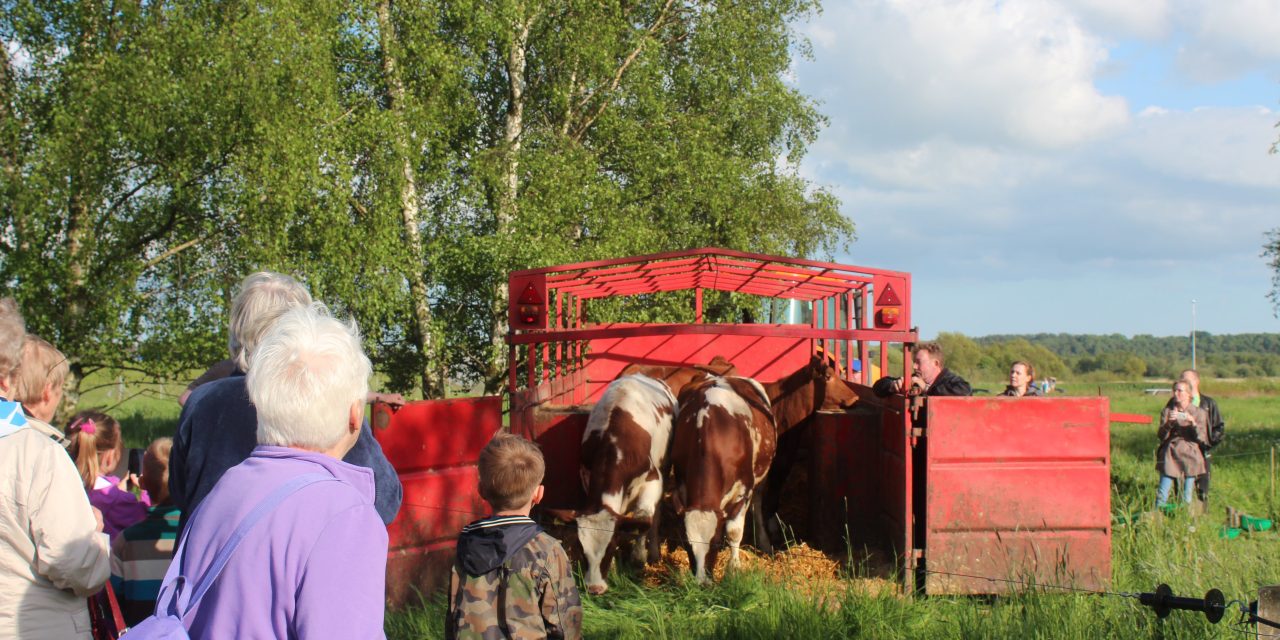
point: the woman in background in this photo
(1022, 380)
(1183, 430)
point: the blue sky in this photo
(1083, 166)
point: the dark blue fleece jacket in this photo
(218, 429)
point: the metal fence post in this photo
(1268, 609)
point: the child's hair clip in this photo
(87, 426)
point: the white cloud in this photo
(1223, 146)
(1014, 73)
(1229, 37)
(1147, 19)
(972, 147)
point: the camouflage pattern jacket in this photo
(511, 580)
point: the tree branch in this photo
(617, 76)
(172, 251)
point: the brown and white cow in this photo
(678, 377)
(624, 454)
(725, 437)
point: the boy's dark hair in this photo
(511, 468)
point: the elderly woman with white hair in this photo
(52, 552)
(311, 556)
(218, 425)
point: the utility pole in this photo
(1193, 334)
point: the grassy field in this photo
(1184, 551)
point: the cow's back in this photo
(627, 434)
(719, 445)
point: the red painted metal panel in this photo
(439, 433)
(764, 358)
(1017, 488)
(558, 432)
(433, 446)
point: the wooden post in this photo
(1269, 609)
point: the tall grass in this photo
(1182, 550)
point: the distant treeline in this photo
(1115, 356)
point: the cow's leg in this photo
(759, 523)
(654, 537)
(700, 529)
(646, 508)
(733, 528)
(595, 532)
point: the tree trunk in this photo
(410, 210)
(507, 209)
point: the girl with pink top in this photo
(96, 447)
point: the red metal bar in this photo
(580, 391)
(834, 304)
(532, 354)
(792, 274)
(560, 324)
(697, 305)
(577, 277)
(815, 308)
(781, 331)
(1131, 418)
(707, 251)
(726, 282)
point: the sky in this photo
(1078, 166)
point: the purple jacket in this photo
(120, 509)
(313, 568)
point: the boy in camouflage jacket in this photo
(511, 579)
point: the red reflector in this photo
(530, 295)
(888, 297)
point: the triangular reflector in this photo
(530, 295)
(887, 297)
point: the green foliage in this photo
(153, 154)
(1227, 356)
(1271, 251)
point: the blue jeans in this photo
(1166, 483)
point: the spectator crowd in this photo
(263, 516)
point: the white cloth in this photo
(51, 555)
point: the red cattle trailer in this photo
(967, 493)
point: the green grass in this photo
(146, 410)
(1180, 550)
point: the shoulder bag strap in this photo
(265, 507)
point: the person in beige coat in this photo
(1184, 428)
(52, 551)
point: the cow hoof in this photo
(597, 589)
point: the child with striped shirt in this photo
(140, 555)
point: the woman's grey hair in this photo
(263, 297)
(12, 333)
(307, 373)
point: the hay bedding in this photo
(800, 569)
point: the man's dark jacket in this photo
(218, 429)
(947, 383)
(1217, 430)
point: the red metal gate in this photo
(434, 446)
(1015, 489)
